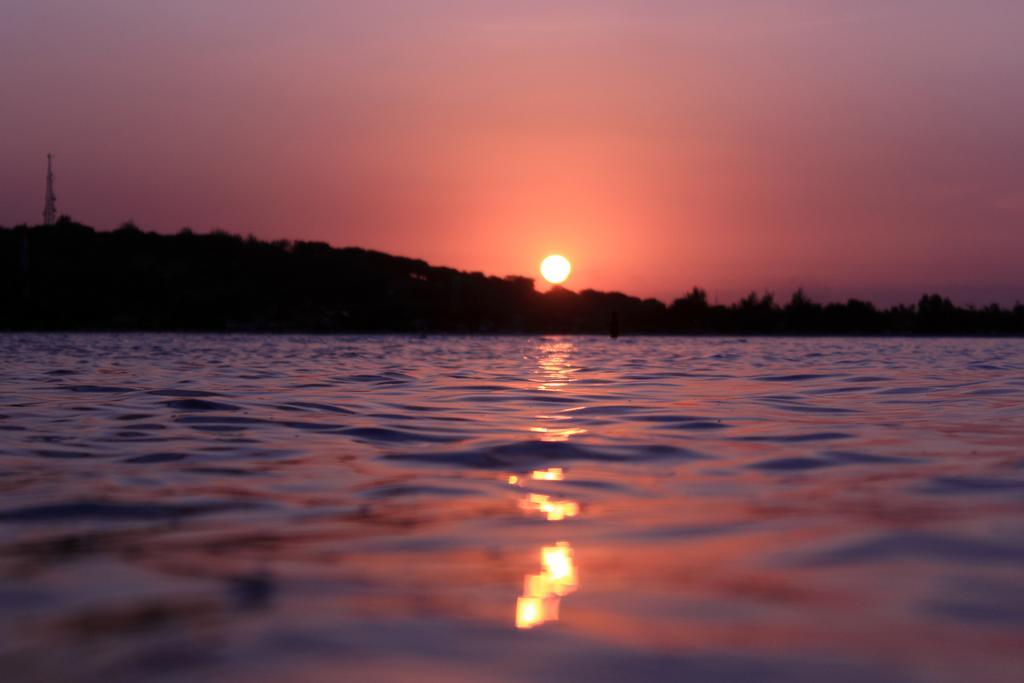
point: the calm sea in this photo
(284, 508)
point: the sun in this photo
(555, 269)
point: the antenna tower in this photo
(50, 205)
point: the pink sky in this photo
(871, 148)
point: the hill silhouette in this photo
(69, 276)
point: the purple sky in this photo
(870, 148)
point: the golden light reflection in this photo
(554, 367)
(542, 593)
(555, 434)
(555, 375)
(563, 416)
(559, 567)
(555, 510)
(550, 474)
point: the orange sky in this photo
(859, 149)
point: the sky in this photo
(869, 148)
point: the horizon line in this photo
(760, 295)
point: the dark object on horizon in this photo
(613, 325)
(69, 277)
(50, 199)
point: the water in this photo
(268, 508)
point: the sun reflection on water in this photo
(554, 367)
(553, 434)
(542, 593)
(550, 474)
(555, 510)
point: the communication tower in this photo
(50, 205)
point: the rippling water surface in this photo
(463, 509)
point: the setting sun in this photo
(555, 269)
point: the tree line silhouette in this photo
(69, 276)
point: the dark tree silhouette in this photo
(70, 277)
